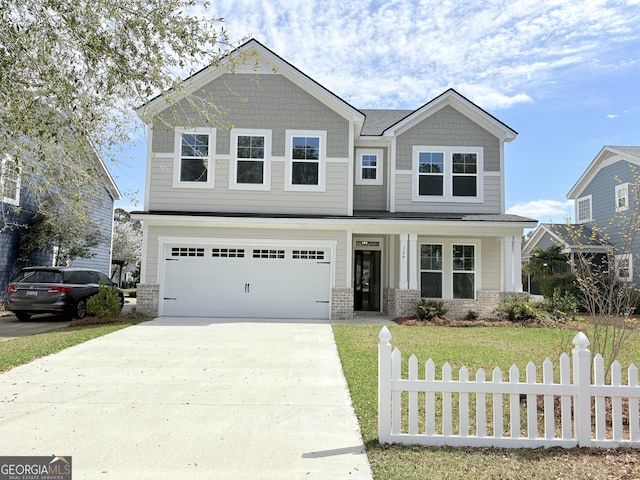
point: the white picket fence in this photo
(564, 419)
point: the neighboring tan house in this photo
(19, 205)
(605, 209)
(306, 207)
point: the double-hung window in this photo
(193, 164)
(448, 269)
(447, 174)
(250, 159)
(622, 197)
(305, 160)
(624, 267)
(369, 167)
(10, 181)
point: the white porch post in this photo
(512, 257)
(404, 240)
(413, 261)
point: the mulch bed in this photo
(491, 322)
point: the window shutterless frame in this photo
(250, 159)
(369, 167)
(305, 160)
(194, 151)
(10, 181)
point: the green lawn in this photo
(475, 347)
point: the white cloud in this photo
(612, 116)
(400, 53)
(546, 211)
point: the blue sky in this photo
(564, 74)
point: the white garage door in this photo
(240, 281)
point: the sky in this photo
(564, 74)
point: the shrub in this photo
(471, 315)
(428, 310)
(517, 309)
(563, 283)
(105, 303)
(562, 305)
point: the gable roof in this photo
(463, 105)
(261, 61)
(607, 156)
(569, 236)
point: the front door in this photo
(367, 280)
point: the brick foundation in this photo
(484, 306)
(342, 304)
(400, 303)
(148, 299)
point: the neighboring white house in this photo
(293, 203)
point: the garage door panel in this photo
(248, 282)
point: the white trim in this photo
(577, 205)
(233, 159)
(447, 175)
(322, 161)
(379, 168)
(350, 170)
(14, 200)
(624, 188)
(177, 157)
(394, 173)
(447, 264)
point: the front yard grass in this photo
(475, 347)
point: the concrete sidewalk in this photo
(185, 398)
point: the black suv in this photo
(54, 290)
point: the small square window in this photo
(369, 167)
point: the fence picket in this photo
(481, 407)
(575, 395)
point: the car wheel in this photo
(80, 311)
(23, 317)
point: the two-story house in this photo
(287, 201)
(606, 222)
(17, 210)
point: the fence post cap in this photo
(581, 341)
(384, 335)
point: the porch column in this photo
(402, 281)
(512, 258)
(413, 261)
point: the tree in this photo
(127, 236)
(71, 72)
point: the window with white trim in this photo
(583, 209)
(431, 271)
(449, 269)
(369, 167)
(250, 165)
(624, 267)
(193, 162)
(10, 181)
(622, 197)
(447, 174)
(305, 160)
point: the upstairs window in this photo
(193, 166)
(250, 164)
(583, 209)
(305, 163)
(10, 181)
(622, 197)
(369, 167)
(447, 174)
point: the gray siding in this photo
(102, 211)
(372, 197)
(614, 224)
(261, 102)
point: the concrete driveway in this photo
(185, 398)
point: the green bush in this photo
(105, 303)
(563, 283)
(428, 310)
(562, 305)
(517, 309)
